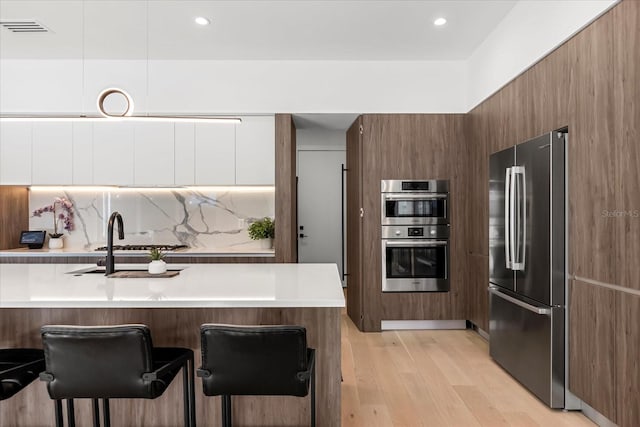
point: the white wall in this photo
(58, 86)
(531, 30)
(321, 139)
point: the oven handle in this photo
(414, 243)
(415, 196)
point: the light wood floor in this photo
(434, 378)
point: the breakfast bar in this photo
(309, 295)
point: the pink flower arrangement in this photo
(62, 210)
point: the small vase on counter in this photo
(157, 267)
(56, 242)
(157, 264)
(263, 230)
(266, 243)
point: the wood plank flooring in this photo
(434, 378)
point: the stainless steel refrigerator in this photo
(527, 264)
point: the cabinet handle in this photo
(361, 213)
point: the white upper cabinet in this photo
(255, 151)
(154, 152)
(52, 154)
(215, 162)
(15, 153)
(113, 153)
(185, 154)
(82, 153)
(137, 153)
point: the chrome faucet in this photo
(110, 267)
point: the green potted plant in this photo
(157, 264)
(263, 230)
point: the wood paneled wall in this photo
(354, 262)
(408, 146)
(14, 215)
(591, 85)
(285, 241)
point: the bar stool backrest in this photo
(254, 360)
(98, 361)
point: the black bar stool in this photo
(18, 367)
(109, 362)
(256, 360)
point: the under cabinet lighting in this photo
(103, 188)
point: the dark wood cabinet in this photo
(592, 346)
(354, 224)
(402, 146)
(14, 215)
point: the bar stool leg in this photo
(71, 416)
(96, 413)
(192, 392)
(226, 411)
(59, 419)
(185, 394)
(106, 414)
(313, 396)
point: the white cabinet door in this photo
(82, 153)
(113, 152)
(15, 153)
(154, 164)
(215, 154)
(255, 151)
(52, 155)
(185, 158)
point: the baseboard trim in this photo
(390, 325)
(596, 416)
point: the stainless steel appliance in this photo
(406, 202)
(415, 258)
(415, 235)
(527, 264)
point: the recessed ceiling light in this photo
(201, 20)
(439, 22)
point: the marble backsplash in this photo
(206, 218)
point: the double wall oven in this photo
(415, 235)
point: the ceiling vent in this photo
(23, 26)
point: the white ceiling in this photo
(251, 30)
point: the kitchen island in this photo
(310, 295)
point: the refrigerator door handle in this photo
(512, 218)
(526, 306)
(519, 182)
(507, 218)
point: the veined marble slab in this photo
(204, 219)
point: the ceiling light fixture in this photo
(440, 22)
(127, 115)
(201, 20)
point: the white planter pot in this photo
(157, 267)
(56, 243)
(265, 243)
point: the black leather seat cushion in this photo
(254, 360)
(14, 375)
(104, 362)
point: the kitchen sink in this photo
(101, 270)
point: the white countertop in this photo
(197, 285)
(191, 252)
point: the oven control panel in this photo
(413, 232)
